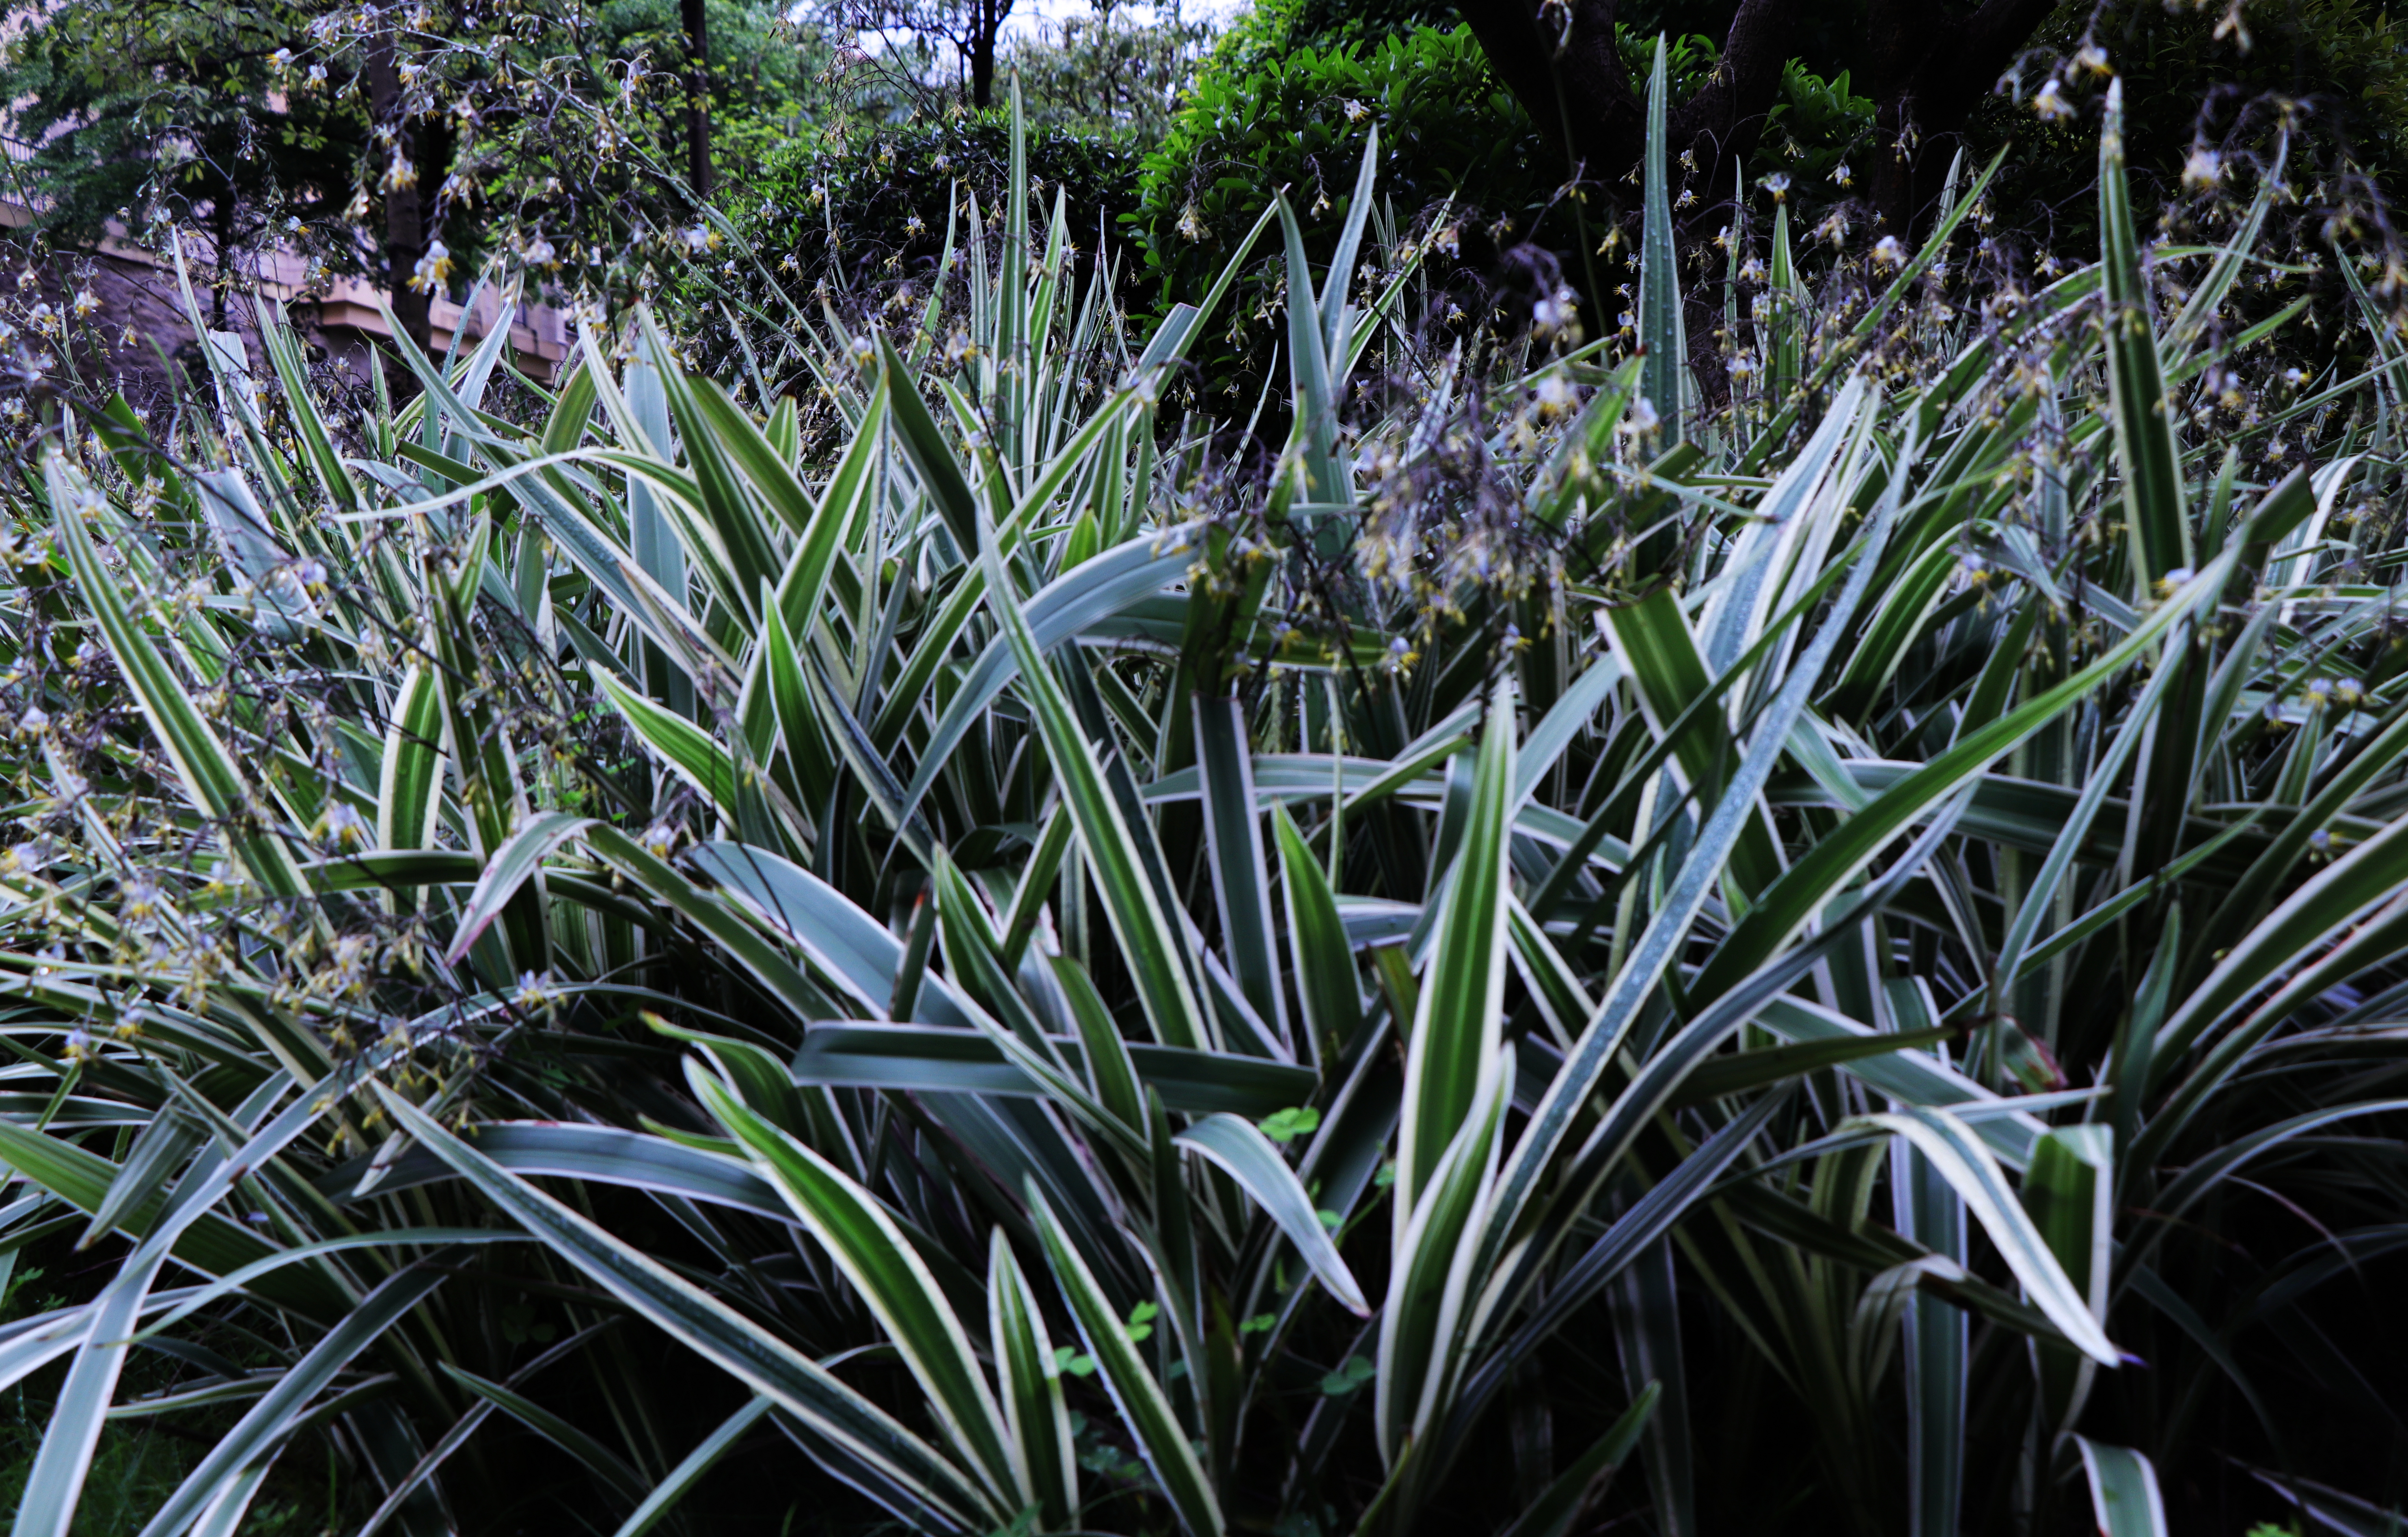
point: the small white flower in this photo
(2050, 102)
(85, 303)
(345, 825)
(1643, 417)
(433, 268)
(1778, 185)
(534, 991)
(138, 900)
(1888, 253)
(2202, 170)
(1842, 176)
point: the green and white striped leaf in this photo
(1959, 1157)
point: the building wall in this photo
(148, 336)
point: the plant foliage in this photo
(1081, 993)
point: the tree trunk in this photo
(223, 256)
(697, 99)
(1927, 76)
(1568, 77)
(405, 219)
(1562, 65)
(986, 20)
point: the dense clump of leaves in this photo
(909, 928)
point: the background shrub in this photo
(1261, 118)
(869, 211)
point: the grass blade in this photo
(1454, 1051)
(1958, 1156)
(1144, 1408)
(690, 1470)
(264, 1429)
(891, 1278)
(2144, 418)
(1661, 331)
(2123, 1490)
(1152, 946)
(1326, 983)
(1249, 1158)
(1233, 840)
(1552, 1513)
(1032, 1405)
(857, 1429)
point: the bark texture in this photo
(404, 207)
(1930, 68)
(987, 21)
(697, 98)
(1560, 62)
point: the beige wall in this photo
(138, 289)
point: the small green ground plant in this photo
(921, 937)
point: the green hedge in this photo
(871, 210)
(1259, 119)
